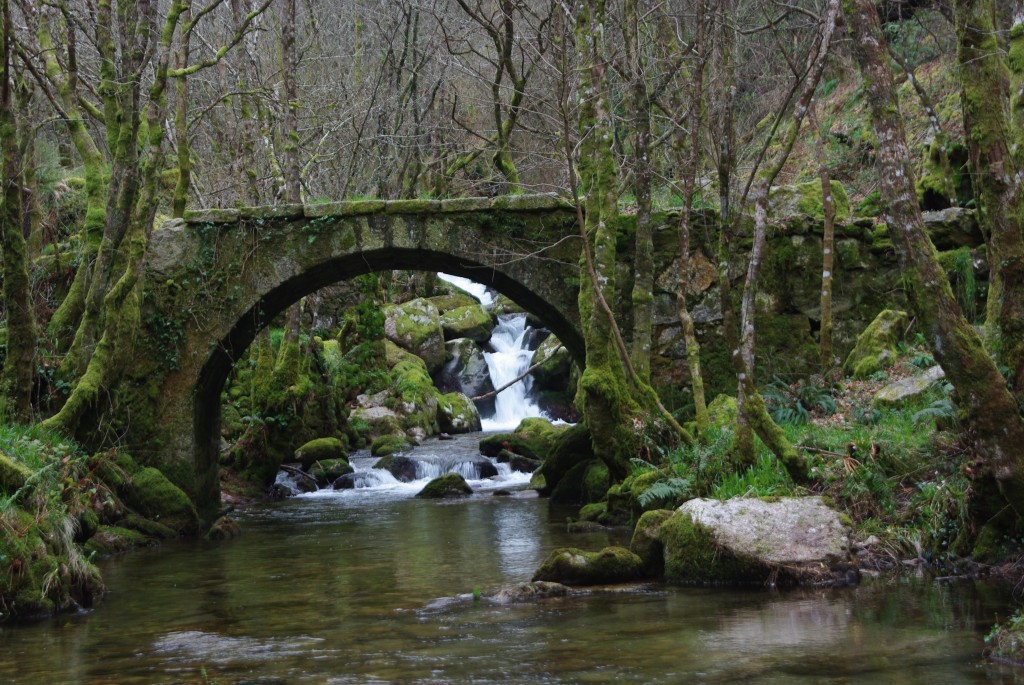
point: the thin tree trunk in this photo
(992, 412)
(16, 375)
(292, 168)
(689, 170)
(181, 140)
(828, 358)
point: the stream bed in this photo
(374, 586)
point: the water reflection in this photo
(349, 589)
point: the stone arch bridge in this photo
(216, 277)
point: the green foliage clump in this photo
(1005, 641)
(795, 404)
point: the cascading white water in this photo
(508, 361)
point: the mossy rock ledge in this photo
(157, 498)
(746, 540)
(448, 485)
(321, 449)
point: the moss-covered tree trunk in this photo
(69, 314)
(290, 105)
(17, 372)
(688, 139)
(181, 126)
(985, 99)
(643, 248)
(992, 413)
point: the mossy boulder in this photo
(722, 411)
(504, 305)
(555, 365)
(157, 498)
(572, 566)
(456, 413)
(533, 437)
(472, 322)
(148, 527)
(876, 346)
(788, 540)
(454, 300)
(329, 470)
(415, 326)
(387, 445)
(447, 485)
(402, 468)
(572, 446)
(322, 450)
(953, 227)
(466, 370)
(417, 398)
(110, 540)
(646, 542)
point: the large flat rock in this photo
(797, 539)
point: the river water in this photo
(374, 586)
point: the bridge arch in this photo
(217, 278)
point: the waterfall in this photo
(508, 361)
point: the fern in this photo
(665, 489)
(939, 410)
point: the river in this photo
(375, 586)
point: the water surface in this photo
(374, 586)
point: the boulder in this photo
(454, 300)
(466, 372)
(528, 592)
(571, 566)
(13, 475)
(745, 540)
(329, 470)
(415, 326)
(157, 498)
(387, 445)
(555, 365)
(321, 449)
(402, 468)
(472, 322)
(876, 346)
(906, 390)
(585, 482)
(722, 411)
(447, 485)
(953, 227)
(517, 462)
(796, 203)
(456, 413)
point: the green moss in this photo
(321, 449)
(876, 346)
(572, 566)
(593, 512)
(456, 413)
(157, 498)
(153, 529)
(386, 445)
(448, 485)
(110, 540)
(330, 470)
(646, 542)
(692, 556)
(13, 475)
(810, 201)
(722, 411)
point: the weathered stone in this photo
(466, 371)
(555, 365)
(448, 302)
(518, 462)
(953, 227)
(571, 566)
(471, 322)
(876, 346)
(806, 199)
(447, 485)
(702, 273)
(906, 390)
(528, 592)
(321, 449)
(750, 540)
(415, 326)
(456, 413)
